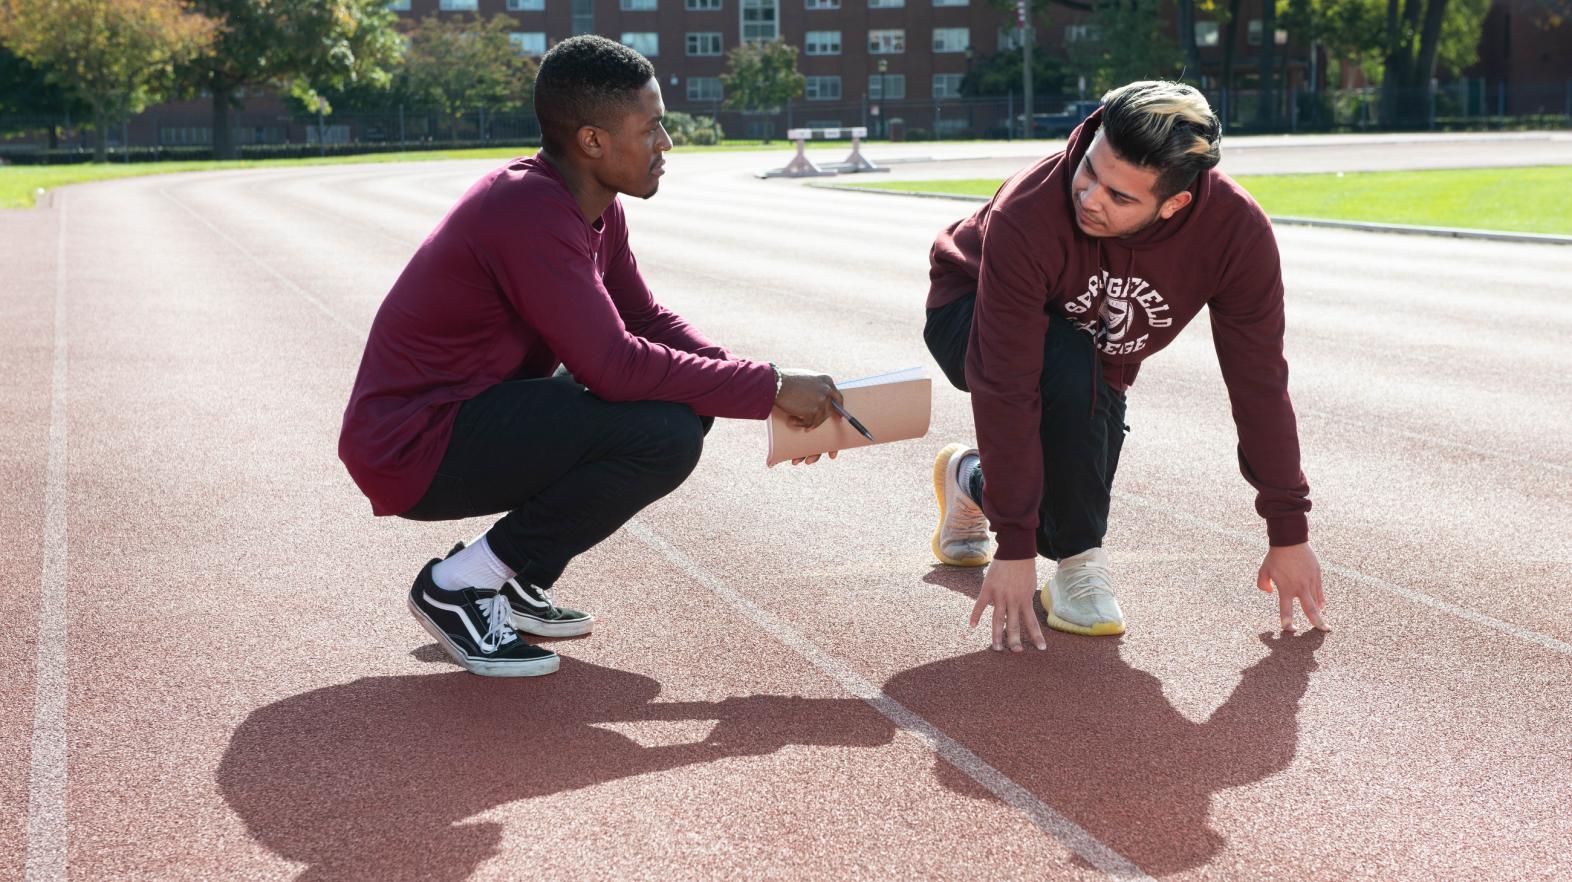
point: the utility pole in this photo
(1023, 19)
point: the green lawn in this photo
(19, 183)
(1524, 200)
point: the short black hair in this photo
(585, 80)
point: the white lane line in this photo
(1352, 574)
(1071, 835)
(46, 777)
(313, 299)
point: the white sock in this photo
(474, 566)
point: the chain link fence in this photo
(1467, 104)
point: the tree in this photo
(1000, 74)
(1126, 43)
(114, 55)
(303, 46)
(1401, 44)
(29, 96)
(761, 76)
(460, 65)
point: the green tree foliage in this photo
(457, 66)
(686, 129)
(1000, 74)
(302, 46)
(1400, 44)
(29, 98)
(1126, 44)
(761, 76)
(116, 56)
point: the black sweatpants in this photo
(567, 468)
(1081, 440)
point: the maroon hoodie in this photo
(511, 284)
(1025, 256)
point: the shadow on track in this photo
(1096, 739)
(375, 779)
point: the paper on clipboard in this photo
(895, 406)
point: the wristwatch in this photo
(778, 379)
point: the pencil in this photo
(853, 420)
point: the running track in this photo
(212, 673)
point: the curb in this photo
(1446, 232)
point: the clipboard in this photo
(895, 406)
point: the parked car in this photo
(1057, 125)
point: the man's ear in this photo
(592, 141)
(1172, 204)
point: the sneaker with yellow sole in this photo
(961, 538)
(1079, 599)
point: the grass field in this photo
(1524, 200)
(19, 183)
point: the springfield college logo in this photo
(1115, 323)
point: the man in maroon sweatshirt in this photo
(521, 365)
(1044, 303)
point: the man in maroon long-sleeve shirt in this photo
(521, 365)
(1044, 303)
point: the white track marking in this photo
(1069, 834)
(46, 778)
(1350, 573)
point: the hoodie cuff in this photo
(1287, 530)
(1019, 544)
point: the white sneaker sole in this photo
(553, 629)
(940, 466)
(482, 666)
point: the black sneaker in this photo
(474, 627)
(535, 610)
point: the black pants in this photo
(566, 467)
(1081, 439)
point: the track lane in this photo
(824, 573)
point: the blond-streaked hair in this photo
(1164, 126)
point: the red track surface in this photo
(782, 685)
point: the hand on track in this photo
(1009, 587)
(1296, 573)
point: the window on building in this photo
(646, 43)
(951, 2)
(458, 5)
(1207, 33)
(583, 17)
(702, 5)
(705, 89)
(637, 5)
(399, 5)
(951, 39)
(821, 4)
(1080, 33)
(1255, 34)
(761, 20)
(887, 42)
(1008, 39)
(947, 85)
(822, 43)
(886, 4)
(704, 43)
(886, 86)
(526, 5)
(822, 88)
(529, 42)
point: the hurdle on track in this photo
(803, 167)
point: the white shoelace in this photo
(1086, 582)
(967, 520)
(499, 613)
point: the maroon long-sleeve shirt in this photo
(510, 285)
(1024, 256)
